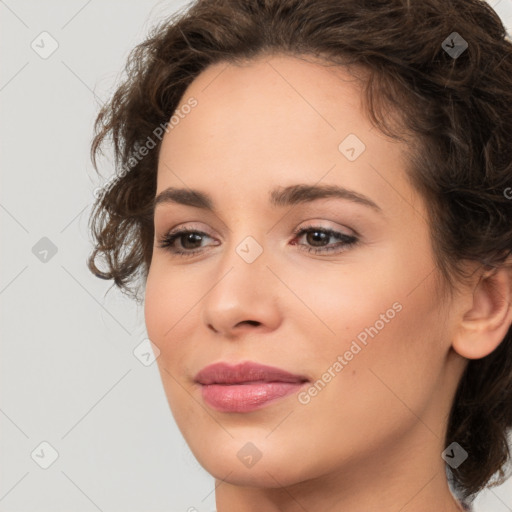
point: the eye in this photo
(188, 239)
(318, 236)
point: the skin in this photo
(372, 438)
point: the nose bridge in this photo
(242, 291)
(244, 262)
(247, 241)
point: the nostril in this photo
(252, 322)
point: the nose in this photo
(243, 297)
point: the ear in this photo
(485, 323)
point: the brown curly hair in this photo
(459, 108)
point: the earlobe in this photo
(485, 324)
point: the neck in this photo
(411, 478)
(434, 494)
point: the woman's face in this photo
(358, 316)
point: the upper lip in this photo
(248, 371)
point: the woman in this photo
(315, 195)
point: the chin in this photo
(232, 463)
(262, 475)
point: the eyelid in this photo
(185, 226)
(319, 224)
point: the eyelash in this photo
(347, 241)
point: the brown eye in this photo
(189, 240)
(318, 238)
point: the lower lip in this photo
(246, 397)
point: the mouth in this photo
(247, 386)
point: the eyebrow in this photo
(278, 197)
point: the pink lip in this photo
(246, 386)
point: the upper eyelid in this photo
(185, 227)
(310, 224)
(314, 206)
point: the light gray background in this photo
(68, 373)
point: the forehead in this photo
(274, 99)
(276, 119)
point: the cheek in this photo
(172, 316)
(165, 312)
(169, 297)
(372, 391)
(165, 315)
(155, 304)
(343, 303)
(386, 326)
